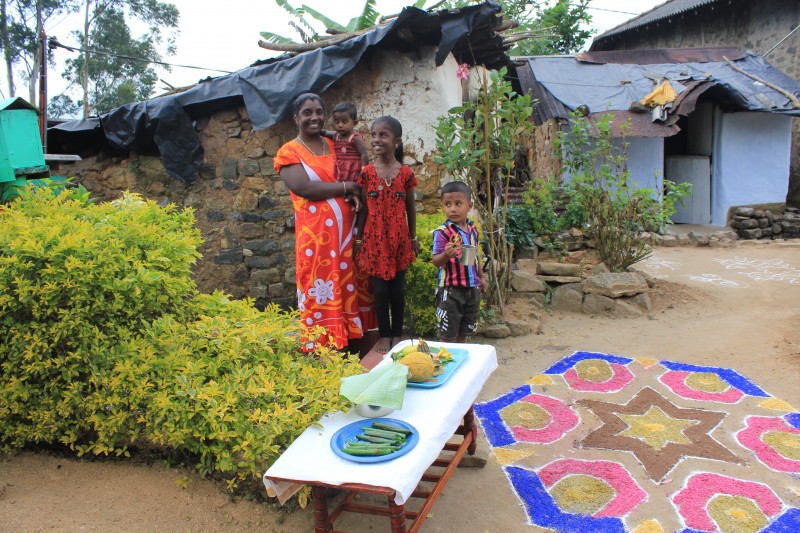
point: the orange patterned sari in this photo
(330, 293)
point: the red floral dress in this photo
(386, 248)
(348, 160)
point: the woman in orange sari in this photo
(330, 293)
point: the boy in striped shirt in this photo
(458, 293)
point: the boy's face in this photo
(343, 123)
(456, 205)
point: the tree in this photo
(21, 22)
(557, 26)
(114, 68)
(368, 18)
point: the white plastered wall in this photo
(750, 162)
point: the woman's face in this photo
(310, 117)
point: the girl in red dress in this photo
(349, 146)
(387, 227)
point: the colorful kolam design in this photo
(601, 442)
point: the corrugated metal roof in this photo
(660, 12)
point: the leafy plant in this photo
(477, 143)
(421, 279)
(105, 343)
(617, 209)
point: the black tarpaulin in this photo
(267, 90)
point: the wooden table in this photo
(444, 419)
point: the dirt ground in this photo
(733, 307)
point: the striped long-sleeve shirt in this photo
(453, 273)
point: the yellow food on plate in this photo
(420, 366)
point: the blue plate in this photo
(459, 354)
(348, 434)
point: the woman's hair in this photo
(347, 107)
(302, 99)
(397, 129)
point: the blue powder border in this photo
(568, 362)
(489, 415)
(543, 511)
(731, 377)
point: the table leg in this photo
(319, 496)
(397, 515)
(469, 425)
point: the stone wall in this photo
(242, 207)
(750, 26)
(754, 223)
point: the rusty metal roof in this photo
(660, 12)
(610, 82)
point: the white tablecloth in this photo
(435, 413)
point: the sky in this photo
(224, 34)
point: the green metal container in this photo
(21, 155)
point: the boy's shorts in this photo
(457, 311)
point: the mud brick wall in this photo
(242, 207)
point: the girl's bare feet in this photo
(384, 345)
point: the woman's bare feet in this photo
(384, 345)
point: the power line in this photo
(53, 43)
(612, 10)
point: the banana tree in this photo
(368, 18)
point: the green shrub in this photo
(421, 279)
(229, 387)
(75, 281)
(105, 343)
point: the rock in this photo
(251, 230)
(496, 331)
(275, 290)
(519, 328)
(748, 224)
(558, 269)
(229, 168)
(656, 239)
(263, 246)
(758, 213)
(600, 268)
(683, 239)
(265, 276)
(623, 308)
(568, 298)
(698, 238)
(763, 223)
(560, 279)
(642, 301)
(215, 216)
(257, 153)
(528, 252)
(750, 233)
(526, 282)
(669, 241)
(776, 228)
(770, 217)
(651, 281)
(616, 284)
(596, 304)
(744, 211)
(248, 167)
(230, 185)
(229, 257)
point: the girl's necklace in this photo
(386, 180)
(324, 149)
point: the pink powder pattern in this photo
(562, 420)
(676, 381)
(622, 376)
(628, 493)
(693, 499)
(750, 438)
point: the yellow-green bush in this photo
(230, 387)
(105, 343)
(75, 280)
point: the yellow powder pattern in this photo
(594, 370)
(785, 443)
(525, 414)
(581, 494)
(656, 428)
(706, 382)
(736, 514)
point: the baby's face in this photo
(343, 123)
